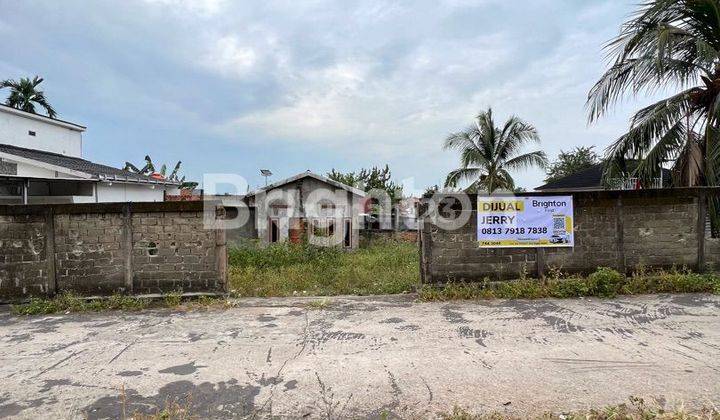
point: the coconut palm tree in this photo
(488, 153)
(668, 45)
(24, 95)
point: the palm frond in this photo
(528, 160)
(457, 176)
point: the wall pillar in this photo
(50, 251)
(221, 250)
(620, 235)
(540, 260)
(127, 244)
(701, 225)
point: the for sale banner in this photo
(520, 222)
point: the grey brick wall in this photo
(89, 256)
(23, 255)
(172, 251)
(624, 230)
(107, 248)
(712, 253)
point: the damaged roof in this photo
(94, 170)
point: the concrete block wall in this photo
(712, 253)
(23, 255)
(96, 249)
(89, 256)
(172, 251)
(619, 229)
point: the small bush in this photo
(568, 288)
(173, 298)
(605, 282)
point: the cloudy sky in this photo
(235, 86)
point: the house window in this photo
(319, 229)
(31, 133)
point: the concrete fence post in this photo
(701, 224)
(221, 251)
(425, 239)
(50, 251)
(540, 260)
(127, 245)
(620, 235)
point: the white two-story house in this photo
(41, 163)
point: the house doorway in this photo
(347, 233)
(274, 231)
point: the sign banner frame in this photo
(525, 221)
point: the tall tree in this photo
(368, 179)
(24, 95)
(488, 153)
(572, 162)
(667, 45)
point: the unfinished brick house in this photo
(309, 207)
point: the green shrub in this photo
(173, 298)
(605, 282)
(568, 288)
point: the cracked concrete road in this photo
(364, 356)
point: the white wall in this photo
(120, 193)
(49, 136)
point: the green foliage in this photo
(374, 178)
(604, 282)
(70, 302)
(572, 162)
(24, 95)
(173, 298)
(488, 153)
(301, 269)
(253, 255)
(665, 46)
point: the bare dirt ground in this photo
(361, 357)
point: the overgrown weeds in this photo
(636, 409)
(604, 282)
(306, 270)
(69, 302)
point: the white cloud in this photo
(202, 8)
(229, 57)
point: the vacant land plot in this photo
(364, 357)
(291, 270)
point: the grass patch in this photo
(605, 282)
(319, 304)
(69, 302)
(636, 409)
(301, 269)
